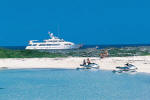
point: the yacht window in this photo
(67, 44)
(42, 45)
(55, 41)
(33, 44)
(49, 44)
(55, 44)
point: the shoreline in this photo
(109, 63)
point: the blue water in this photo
(59, 84)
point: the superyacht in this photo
(51, 44)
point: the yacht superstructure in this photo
(52, 43)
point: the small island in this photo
(88, 52)
(71, 59)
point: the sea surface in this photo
(61, 84)
(84, 46)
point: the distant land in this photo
(85, 46)
(85, 51)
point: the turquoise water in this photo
(59, 84)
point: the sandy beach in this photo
(142, 62)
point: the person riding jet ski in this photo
(88, 65)
(127, 67)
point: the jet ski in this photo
(91, 66)
(127, 68)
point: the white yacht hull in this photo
(51, 47)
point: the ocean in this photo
(61, 84)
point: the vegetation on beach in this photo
(6, 53)
(90, 52)
(129, 51)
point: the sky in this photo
(80, 21)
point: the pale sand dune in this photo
(142, 62)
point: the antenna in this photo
(50, 34)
